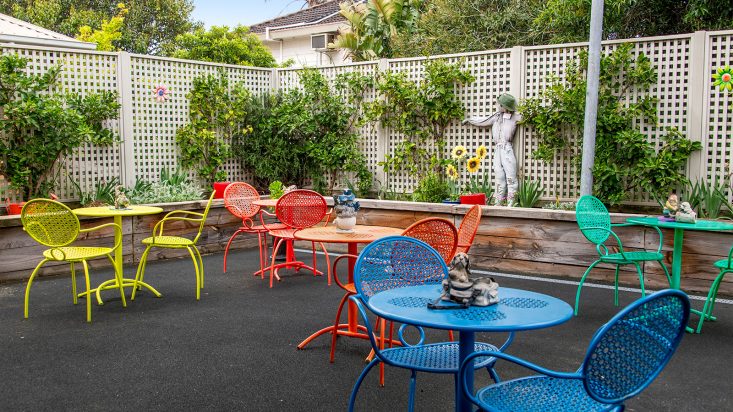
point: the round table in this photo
(330, 234)
(679, 229)
(517, 310)
(117, 214)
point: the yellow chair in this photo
(52, 224)
(176, 242)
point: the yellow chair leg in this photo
(198, 275)
(73, 282)
(118, 276)
(89, 294)
(140, 271)
(28, 288)
(201, 265)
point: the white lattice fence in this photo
(82, 73)
(155, 123)
(717, 156)
(492, 71)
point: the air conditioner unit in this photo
(321, 41)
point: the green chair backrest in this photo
(206, 214)
(591, 213)
(49, 222)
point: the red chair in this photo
(469, 227)
(439, 233)
(298, 209)
(238, 198)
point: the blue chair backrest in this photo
(397, 261)
(629, 351)
(590, 212)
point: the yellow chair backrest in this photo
(49, 222)
(203, 218)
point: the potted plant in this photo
(276, 189)
(345, 207)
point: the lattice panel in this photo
(717, 149)
(492, 72)
(369, 139)
(82, 73)
(155, 125)
(670, 59)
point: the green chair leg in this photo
(580, 286)
(28, 287)
(641, 278)
(666, 273)
(615, 286)
(88, 293)
(198, 274)
(73, 282)
(707, 310)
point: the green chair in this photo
(726, 266)
(159, 239)
(595, 224)
(53, 224)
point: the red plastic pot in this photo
(14, 208)
(473, 199)
(219, 188)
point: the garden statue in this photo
(121, 200)
(345, 207)
(685, 214)
(503, 126)
(670, 207)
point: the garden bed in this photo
(537, 242)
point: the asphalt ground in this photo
(235, 349)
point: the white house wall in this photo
(299, 49)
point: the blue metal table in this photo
(517, 310)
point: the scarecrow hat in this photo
(508, 102)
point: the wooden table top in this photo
(265, 202)
(361, 234)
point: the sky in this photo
(246, 12)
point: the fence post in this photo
(275, 80)
(697, 118)
(127, 149)
(382, 134)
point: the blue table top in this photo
(517, 310)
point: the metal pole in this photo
(591, 98)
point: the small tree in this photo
(221, 45)
(40, 126)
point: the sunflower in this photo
(481, 152)
(459, 152)
(724, 78)
(473, 164)
(451, 172)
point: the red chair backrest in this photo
(238, 198)
(301, 208)
(436, 232)
(469, 227)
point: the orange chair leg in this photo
(226, 250)
(274, 254)
(336, 326)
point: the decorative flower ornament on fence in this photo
(724, 78)
(161, 94)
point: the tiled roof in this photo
(325, 13)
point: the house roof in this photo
(18, 31)
(325, 13)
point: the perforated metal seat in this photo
(540, 394)
(435, 357)
(76, 253)
(594, 222)
(168, 241)
(624, 357)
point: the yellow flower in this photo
(459, 152)
(473, 164)
(451, 172)
(481, 152)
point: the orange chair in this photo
(297, 209)
(467, 230)
(439, 233)
(238, 198)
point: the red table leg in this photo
(351, 310)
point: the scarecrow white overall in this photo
(503, 126)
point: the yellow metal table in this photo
(117, 214)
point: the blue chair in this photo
(399, 261)
(624, 357)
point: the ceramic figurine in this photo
(503, 127)
(345, 207)
(685, 214)
(121, 201)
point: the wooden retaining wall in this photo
(527, 241)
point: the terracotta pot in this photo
(219, 188)
(473, 199)
(14, 208)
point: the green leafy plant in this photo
(480, 184)
(708, 198)
(276, 189)
(175, 178)
(216, 114)
(625, 159)
(38, 126)
(432, 188)
(529, 193)
(103, 193)
(558, 205)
